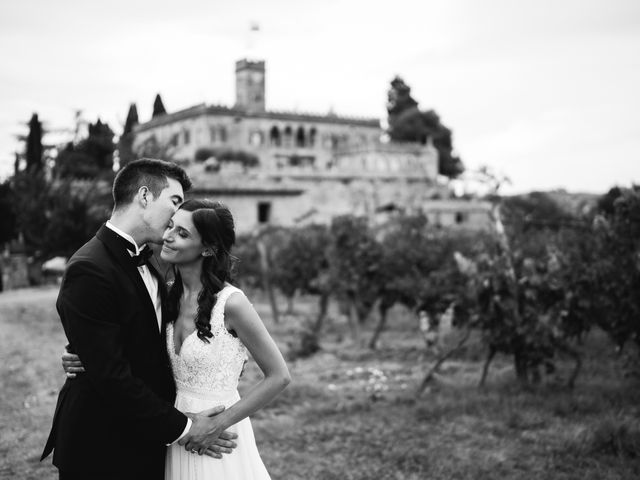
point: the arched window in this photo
(300, 137)
(287, 136)
(274, 136)
(312, 136)
(223, 134)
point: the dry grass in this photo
(352, 414)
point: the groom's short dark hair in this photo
(149, 172)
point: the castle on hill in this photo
(290, 168)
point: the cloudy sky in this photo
(545, 92)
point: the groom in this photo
(115, 420)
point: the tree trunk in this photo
(352, 318)
(322, 313)
(440, 360)
(290, 303)
(382, 320)
(485, 368)
(575, 354)
(266, 281)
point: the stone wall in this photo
(278, 140)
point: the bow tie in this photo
(143, 257)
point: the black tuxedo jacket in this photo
(118, 416)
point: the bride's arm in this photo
(241, 317)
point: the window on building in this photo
(287, 136)
(460, 217)
(300, 140)
(223, 134)
(274, 136)
(213, 134)
(264, 212)
(186, 137)
(312, 136)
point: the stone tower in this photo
(250, 85)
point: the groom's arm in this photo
(85, 305)
(72, 365)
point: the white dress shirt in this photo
(147, 277)
(151, 283)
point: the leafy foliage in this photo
(75, 212)
(90, 158)
(246, 159)
(419, 264)
(30, 197)
(409, 124)
(355, 263)
(57, 218)
(34, 149)
(532, 290)
(125, 143)
(301, 261)
(158, 107)
(617, 268)
(247, 267)
(8, 214)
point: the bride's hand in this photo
(207, 435)
(71, 364)
(212, 412)
(224, 444)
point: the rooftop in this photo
(221, 110)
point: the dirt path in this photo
(26, 295)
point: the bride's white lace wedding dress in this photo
(207, 375)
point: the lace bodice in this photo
(209, 368)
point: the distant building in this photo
(279, 139)
(291, 168)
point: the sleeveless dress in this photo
(206, 375)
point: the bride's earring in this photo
(209, 252)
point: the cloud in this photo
(530, 87)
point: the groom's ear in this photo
(144, 196)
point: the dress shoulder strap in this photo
(226, 293)
(217, 315)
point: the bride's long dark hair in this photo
(214, 223)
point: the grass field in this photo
(352, 414)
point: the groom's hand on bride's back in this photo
(207, 435)
(71, 363)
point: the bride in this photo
(207, 354)
(210, 327)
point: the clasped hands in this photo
(205, 437)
